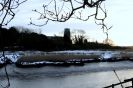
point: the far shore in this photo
(55, 58)
(70, 57)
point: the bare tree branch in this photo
(73, 9)
(7, 8)
(67, 10)
(7, 14)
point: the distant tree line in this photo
(13, 39)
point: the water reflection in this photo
(93, 75)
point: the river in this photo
(91, 75)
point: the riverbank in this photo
(66, 58)
(55, 60)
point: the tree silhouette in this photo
(79, 37)
(108, 41)
(7, 10)
(7, 14)
(63, 10)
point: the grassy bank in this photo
(60, 57)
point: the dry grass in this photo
(60, 57)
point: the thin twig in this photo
(6, 15)
(118, 79)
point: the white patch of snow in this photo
(1, 60)
(14, 56)
(106, 55)
(77, 52)
(11, 56)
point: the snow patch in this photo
(13, 57)
(104, 55)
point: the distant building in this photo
(61, 41)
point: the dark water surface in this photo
(92, 75)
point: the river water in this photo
(91, 75)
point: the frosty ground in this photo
(71, 54)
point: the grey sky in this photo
(119, 15)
